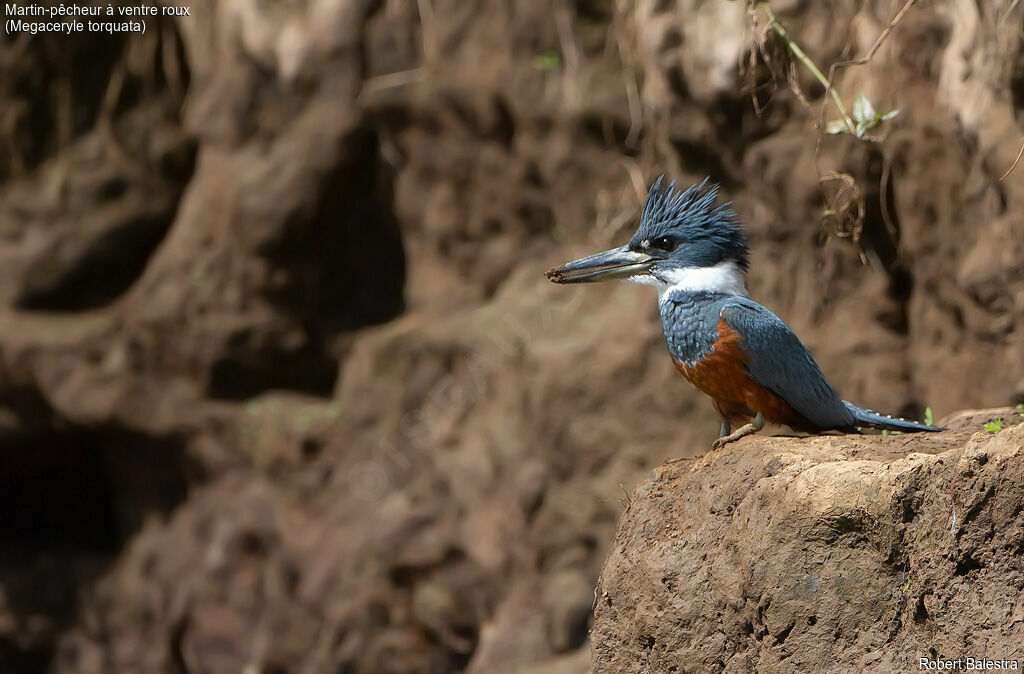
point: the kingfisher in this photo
(740, 354)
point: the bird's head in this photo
(684, 240)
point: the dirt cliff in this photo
(825, 554)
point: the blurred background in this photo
(282, 385)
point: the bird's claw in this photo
(741, 432)
(732, 437)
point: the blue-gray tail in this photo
(875, 420)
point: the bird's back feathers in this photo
(778, 361)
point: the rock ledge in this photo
(833, 553)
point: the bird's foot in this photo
(741, 432)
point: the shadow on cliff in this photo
(72, 496)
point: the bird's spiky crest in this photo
(693, 214)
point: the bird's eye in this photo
(665, 243)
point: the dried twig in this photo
(773, 23)
(372, 85)
(430, 47)
(627, 503)
(1014, 164)
(864, 60)
(749, 65)
(845, 208)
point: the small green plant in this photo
(1020, 409)
(865, 118)
(886, 432)
(928, 418)
(197, 277)
(546, 61)
(994, 426)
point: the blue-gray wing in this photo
(778, 361)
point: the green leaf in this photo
(863, 111)
(546, 61)
(865, 118)
(928, 419)
(994, 426)
(836, 127)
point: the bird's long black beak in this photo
(617, 263)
